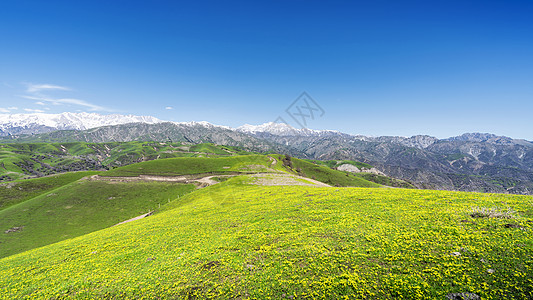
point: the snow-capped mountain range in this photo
(17, 124)
(13, 124)
(41, 122)
(283, 129)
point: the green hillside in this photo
(262, 228)
(79, 208)
(376, 178)
(386, 180)
(21, 190)
(27, 160)
(42, 211)
(239, 241)
(200, 165)
(325, 174)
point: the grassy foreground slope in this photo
(79, 208)
(239, 241)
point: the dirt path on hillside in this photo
(136, 218)
(201, 182)
(273, 161)
(182, 179)
(208, 180)
(266, 179)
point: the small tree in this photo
(287, 162)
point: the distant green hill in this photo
(324, 174)
(27, 160)
(365, 173)
(199, 165)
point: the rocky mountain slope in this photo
(471, 162)
(190, 132)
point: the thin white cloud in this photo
(7, 109)
(169, 107)
(33, 110)
(42, 100)
(35, 98)
(81, 103)
(35, 88)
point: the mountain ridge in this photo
(33, 123)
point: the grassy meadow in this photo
(238, 241)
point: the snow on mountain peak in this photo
(202, 123)
(270, 127)
(34, 123)
(283, 129)
(68, 120)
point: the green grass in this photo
(198, 165)
(329, 176)
(208, 148)
(238, 164)
(79, 208)
(15, 192)
(385, 180)
(26, 160)
(376, 178)
(235, 241)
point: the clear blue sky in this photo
(375, 67)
